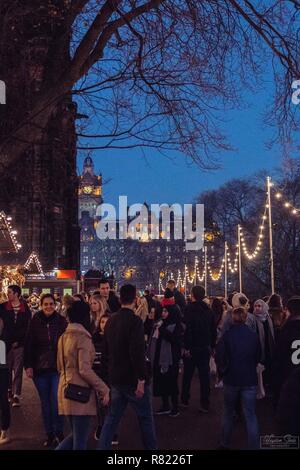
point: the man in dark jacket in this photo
(109, 296)
(288, 343)
(199, 341)
(18, 318)
(237, 355)
(127, 371)
(178, 296)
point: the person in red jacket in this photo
(18, 317)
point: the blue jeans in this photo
(248, 399)
(47, 387)
(77, 439)
(120, 397)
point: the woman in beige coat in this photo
(74, 361)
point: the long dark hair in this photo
(217, 308)
(79, 312)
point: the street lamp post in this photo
(240, 258)
(271, 235)
(205, 269)
(225, 270)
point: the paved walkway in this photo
(190, 430)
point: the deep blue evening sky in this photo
(159, 179)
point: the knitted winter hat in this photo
(240, 300)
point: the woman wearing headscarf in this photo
(164, 353)
(265, 330)
(276, 312)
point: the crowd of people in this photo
(91, 355)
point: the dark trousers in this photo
(120, 397)
(201, 362)
(174, 402)
(4, 404)
(15, 362)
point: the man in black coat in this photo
(124, 352)
(109, 296)
(199, 341)
(18, 318)
(286, 353)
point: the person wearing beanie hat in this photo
(168, 298)
(178, 296)
(240, 300)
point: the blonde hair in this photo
(103, 308)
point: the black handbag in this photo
(74, 392)
(77, 393)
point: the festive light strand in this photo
(6, 220)
(34, 258)
(286, 204)
(260, 237)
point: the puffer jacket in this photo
(75, 358)
(41, 342)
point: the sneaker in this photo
(16, 402)
(10, 395)
(59, 437)
(163, 411)
(203, 409)
(5, 437)
(97, 432)
(115, 440)
(219, 384)
(174, 414)
(184, 403)
(51, 441)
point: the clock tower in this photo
(90, 196)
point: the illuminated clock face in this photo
(87, 189)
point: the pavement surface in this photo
(190, 430)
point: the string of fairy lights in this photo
(293, 210)
(260, 237)
(184, 278)
(5, 222)
(33, 258)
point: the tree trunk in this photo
(38, 182)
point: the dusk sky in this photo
(158, 179)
